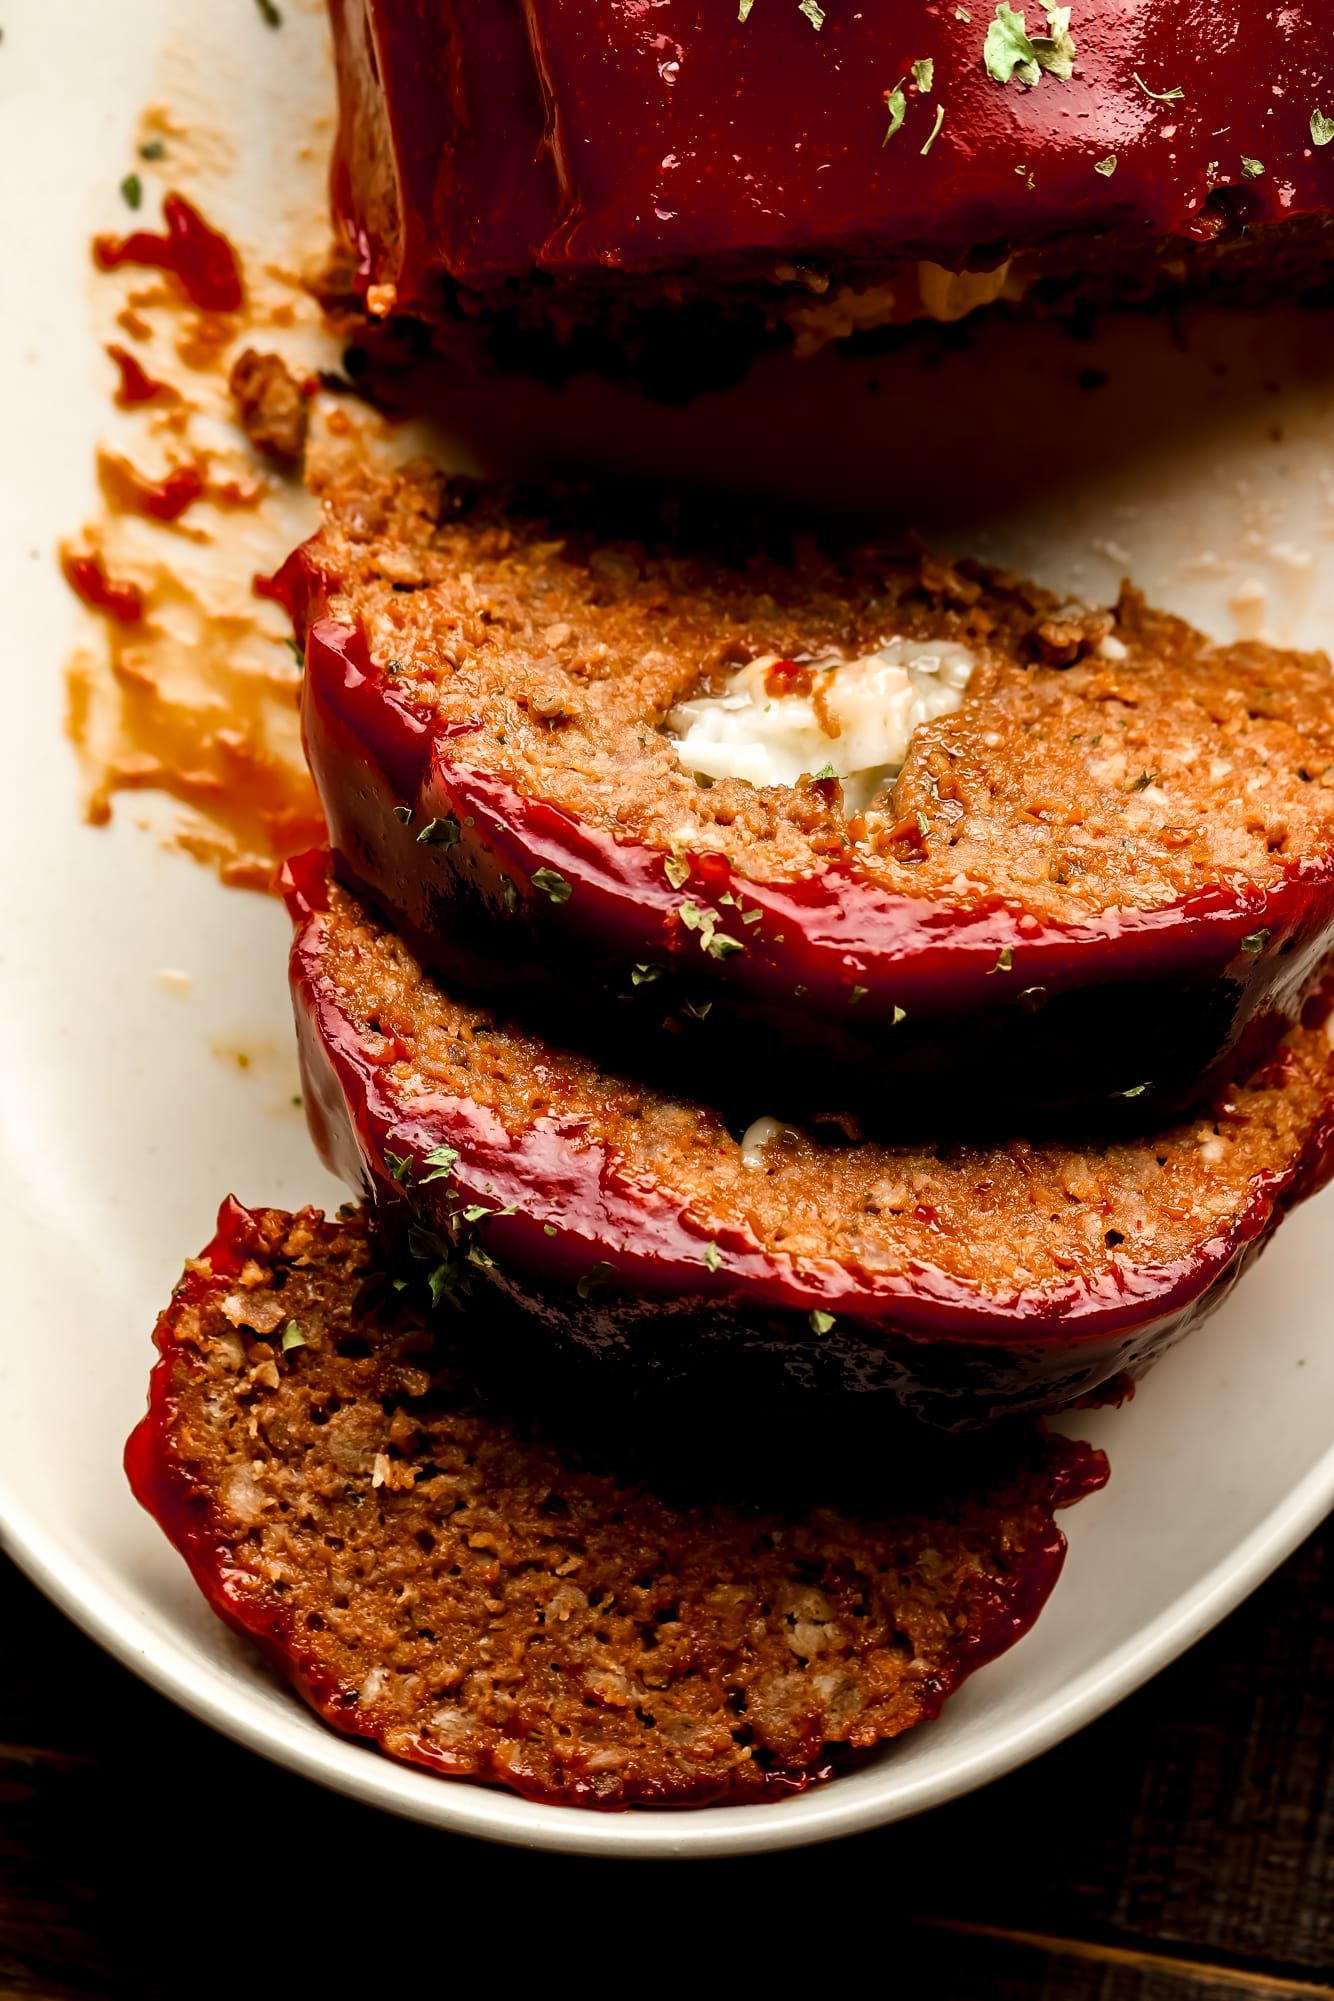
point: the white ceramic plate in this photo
(125, 1119)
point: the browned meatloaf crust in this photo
(1105, 881)
(475, 1596)
(963, 1279)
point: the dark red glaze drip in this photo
(115, 597)
(136, 384)
(934, 1342)
(164, 499)
(182, 1511)
(578, 137)
(894, 992)
(199, 258)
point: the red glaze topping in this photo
(198, 257)
(164, 499)
(574, 135)
(87, 577)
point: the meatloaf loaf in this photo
(438, 1574)
(898, 836)
(964, 1280)
(560, 174)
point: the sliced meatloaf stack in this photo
(898, 839)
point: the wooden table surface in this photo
(1182, 1849)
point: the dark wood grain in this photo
(1180, 1850)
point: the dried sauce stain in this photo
(186, 684)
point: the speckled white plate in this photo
(1201, 465)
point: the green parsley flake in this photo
(132, 191)
(896, 104)
(1010, 51)
(857, 994)
(712, 940)
(1256, 942)
(1252, 169)
(1004, 961)
(1105, 167)
(1173, 96)
(743, 11)
(1135, 1091)
(923, 74)
(1322, 129)
(934, 133)
(399, 1165)
(821, 1322)
(441, 1161)
(677, 869)
(269, 14)
(644, 976)
(439, 834)
(814, 13)
(962, 14)
(153, 149)
(923, 825)
(403, 814)
(292, 1337)
(552, 885)
(900, 1014)
(825, 771)
(597, 1276)
(713, 1257)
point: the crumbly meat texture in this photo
(1099, 759)
(1008, 1218)
(274, 412)
(477, 1598)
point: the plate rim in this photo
(459, 1807)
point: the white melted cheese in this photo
(858, 718)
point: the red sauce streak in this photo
(136, 384)
(785, 677)
(87, 578)
(163, 499)
(199, 258)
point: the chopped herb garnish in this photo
(713, 1257)
(644, 976)
(923, 824)
(439, 834)
(1004, 961)
(1105, 167)
(509, 896)
(676, 868)
(1144, 781)
(403, 814)
(1135, 1091)
(825, 771)
(1009, 51)
(597, 1276)
(896, 104)
(552, 885)
(821, 1322)
(132, 191)
(441, 1160)
(962, 14)
(900, 1014)
(923, 74)
(269, 14)
(712, 940)
(857, 994)
(153, 149)
(1256, 942)
(1173, 96)
(1322, 129)
(399, 1165)
(292, 1337)
(934, 133)
(814, 13)
(1253, 169)
(550, 1230)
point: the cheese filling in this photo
(776, 721)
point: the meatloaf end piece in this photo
(1102, 882)
(543, 182)
(963, 1280)
(471, 1595)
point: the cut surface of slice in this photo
(964, 1280)
(972, 853)
(472, 1594)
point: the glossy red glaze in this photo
(846, 994)
(578, 137)
(136, 385)
(164, 499)
(114, 597)
(199, 258)
(182, 1509)
(939, 1346)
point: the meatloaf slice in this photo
(1102, 878)
(964, 1280)
(440, 1575)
